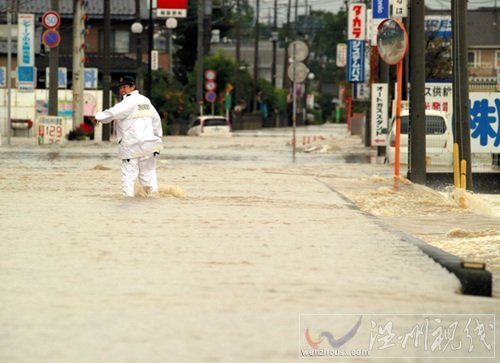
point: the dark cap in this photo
(126, 80)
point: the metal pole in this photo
(294, 100)
(199, 70)
(274, 40)
(461, 86)
(138, 48)
(398, 115)
(53, 71)
(287, 36)
(237, 91)
(106, 77)
(150, 49)
(170, 53)
(256, 53)
(9, 75)
(417, 130)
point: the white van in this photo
(439, 139)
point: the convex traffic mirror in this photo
(392, 41)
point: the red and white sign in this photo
(210, 75)
(51, 19)
(210, 86)
(51, 130)
(356, 21)
(171, 8)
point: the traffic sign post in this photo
(211, 97)
(297, 72)
(392, 46)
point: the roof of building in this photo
(118, 8)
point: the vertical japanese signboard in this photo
(400, 8)
(380, 9)
(341, 54)
(379, 113)
(356, 21)
(26, 52)
(356, 61)
(379, 12)
(356, 33)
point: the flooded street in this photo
(218, 267)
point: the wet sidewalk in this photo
(219, 272)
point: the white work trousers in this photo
(143, 168)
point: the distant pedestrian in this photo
(139, 135)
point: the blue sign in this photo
(3, 77)
(380, 9)
(438, 26)
(356, 61)
(62, 78)
(210, 96)
(26, 74)
(90, 77)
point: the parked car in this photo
(210, 126)
(439, 139)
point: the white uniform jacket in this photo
(138, 126)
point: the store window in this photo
(120, 41)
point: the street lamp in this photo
(171, 24)
(137, 28)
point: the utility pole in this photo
(199, 70)
(461, 88)
(106, 76)
(274, 40)
(78, 57)
(9, 75)
(296, 12)
(237, 92)
(286, 82)
(53, 70)
(416, 139)
(138, 47)
(150, 49)
(256, 52)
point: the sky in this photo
(335, 5)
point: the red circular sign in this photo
(210, 86)
(51, 38)
(210, 75)
(51, 19)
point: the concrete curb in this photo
(473, 277)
